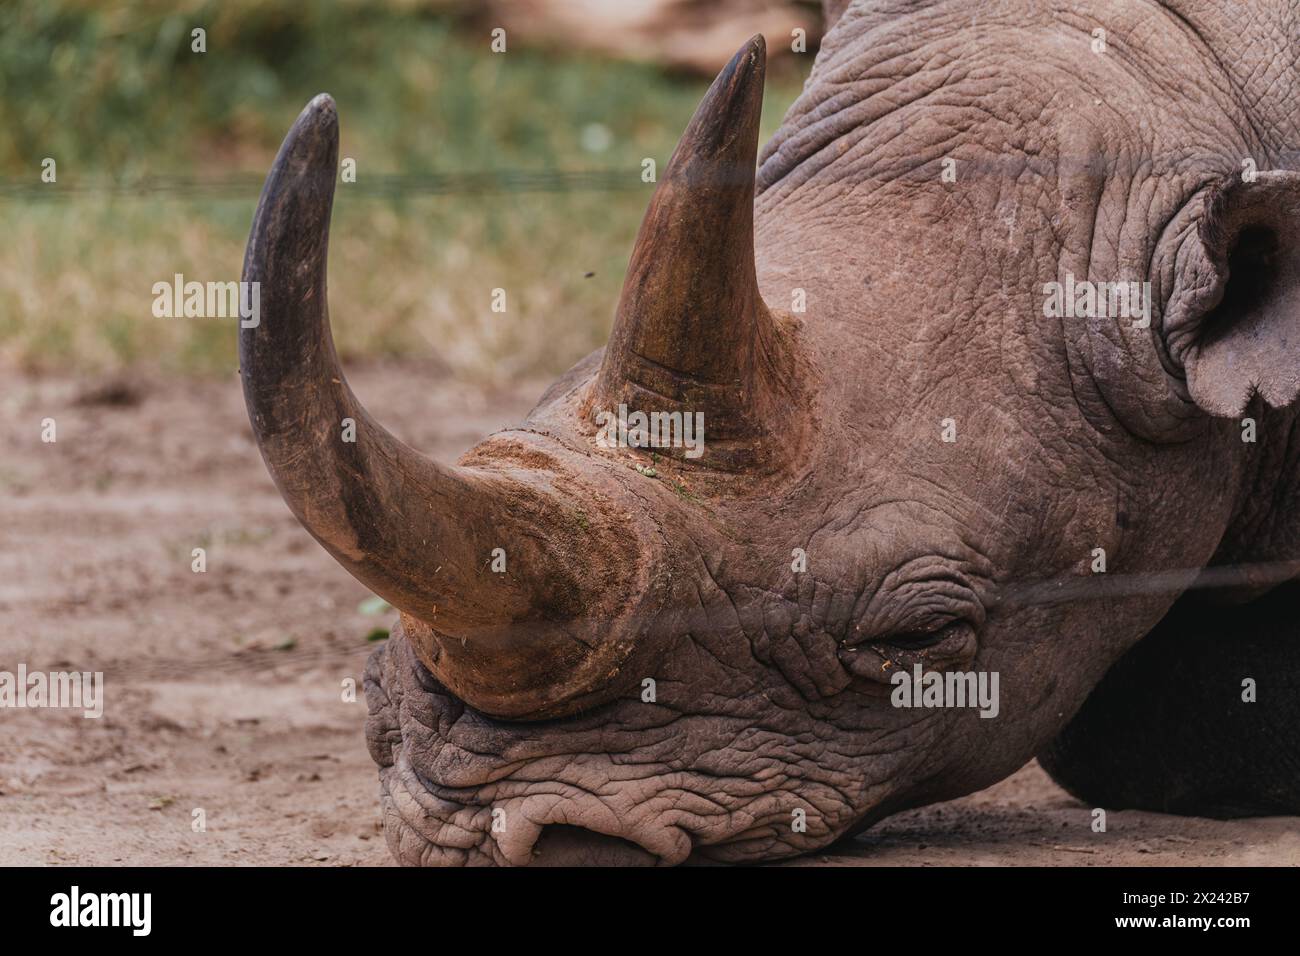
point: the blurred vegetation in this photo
(116, 96)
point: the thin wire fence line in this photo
(370, 186)
(1072, 587)
(608, 179)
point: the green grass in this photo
(118, 97)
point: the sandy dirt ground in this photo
(224, 690)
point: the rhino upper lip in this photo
(598, 837)
(462, 754)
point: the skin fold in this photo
(771, 731)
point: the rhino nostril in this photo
(562, 845)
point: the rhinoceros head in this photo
(913, 461)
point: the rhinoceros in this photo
(956, 504)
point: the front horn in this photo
(417, 533)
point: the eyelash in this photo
(946, 643)
(947, 639)
(921, 639)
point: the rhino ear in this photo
(1232, 322)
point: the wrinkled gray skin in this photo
(925, 303)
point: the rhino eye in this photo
(931, 642)
(944, 644)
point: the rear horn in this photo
(692, 333)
